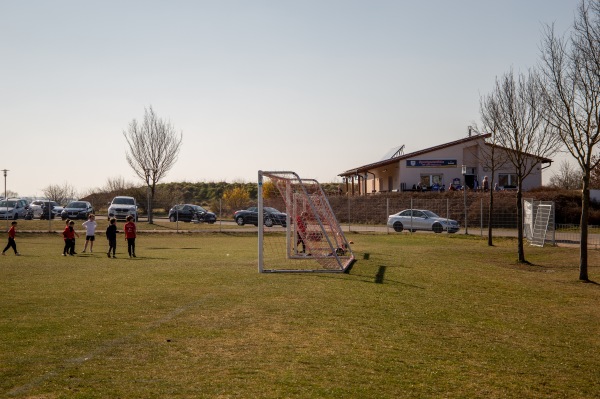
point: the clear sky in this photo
(313, 86)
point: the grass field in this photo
(424, 316)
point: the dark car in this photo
(77, 210)
(191, 213)
(271, 216)
(50, 209)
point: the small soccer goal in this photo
(308, 238)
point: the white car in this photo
(121, 207)
(421, 219)
(13, 208)
(36, 208)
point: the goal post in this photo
(297, 228)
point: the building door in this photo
(470, 181)
(390, 183)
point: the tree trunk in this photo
(151, 204)
(520, 224)
(583, 244)
(490, 217)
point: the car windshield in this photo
(430, 214)
(198, 208)
(77, 205)
(271, 210)
(124, 201)
(10, 204)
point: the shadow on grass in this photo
(380, 275)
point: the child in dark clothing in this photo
(111, 236)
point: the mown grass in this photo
(425, 316)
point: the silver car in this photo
(13, 208)
(421, 219)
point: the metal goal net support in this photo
(309, 237)
(538, 222)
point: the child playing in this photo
(69, 234)
(12, 232)
(111, 236)
(130, 231)
(90, 232)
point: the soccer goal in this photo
(538, 222)
(308, 238)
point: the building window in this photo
(507, 180)
(431, 180)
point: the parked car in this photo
(36, 208)
(421, 219)
(191, 213)
(77, 210)
(250, 216)
(50, 210)
(120, 207)
(14, 208)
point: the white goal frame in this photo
(309, 220)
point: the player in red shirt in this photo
(69, 234)
(12, 232)
(301, 230)
(130, 234)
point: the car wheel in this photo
(240, 221)
(437, 228)
(16, 216)
(212, 222)
(172, 218)
(268, 222)
(413, 230)
(398, 227)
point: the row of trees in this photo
(554, 104)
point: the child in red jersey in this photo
(12, 232)
(130, 234)
(69, 235)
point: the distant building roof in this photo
(393, 159)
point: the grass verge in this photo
(423, 316)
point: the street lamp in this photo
(5, 170)
(464, 173)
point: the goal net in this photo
(308, 237)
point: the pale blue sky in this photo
(316, 87)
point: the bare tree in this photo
(61, 194)
(491, 157)
(567, 177)
(117, 184)
(518, 117)
(11, 194)
(571, 68)
(153, 149)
